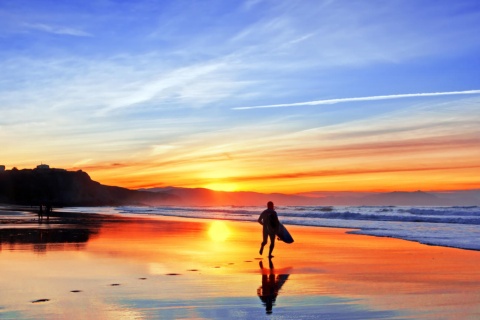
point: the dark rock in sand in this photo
(40, 300)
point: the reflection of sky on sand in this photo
(24, 231)
(41, 239)
(188, 274)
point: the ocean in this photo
(457, 227)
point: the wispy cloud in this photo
(83, 88)
(193, 85)
(358, 99)
(58, 30)
(344, 172)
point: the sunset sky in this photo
(269, 96)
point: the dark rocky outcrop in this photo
(60, 187)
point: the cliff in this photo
(68, 188)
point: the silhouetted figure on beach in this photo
(269, 220)
(271, 285)
(48, 210)
(44, 209)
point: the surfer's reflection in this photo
(271, 285)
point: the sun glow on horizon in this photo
(223, 186)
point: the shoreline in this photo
(64, 217)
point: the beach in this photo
(92, 266)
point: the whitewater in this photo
(457, 227)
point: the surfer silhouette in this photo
(271, 285)
(269, 220)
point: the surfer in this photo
(269, 220)
(40, 212)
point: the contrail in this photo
(371, 98)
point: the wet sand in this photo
(78, 266)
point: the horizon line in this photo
(357, 99)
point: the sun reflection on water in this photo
(219, 231)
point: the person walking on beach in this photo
(269, 220)
(48, 210)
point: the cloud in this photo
(162, 149)
(333, 34)
(250, 4)
(192, 85)
(359, 99)
(345, 172)
(58, 30)
(301, 38)
(82, 88)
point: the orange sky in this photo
(385, 155)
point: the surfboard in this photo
(284, 235)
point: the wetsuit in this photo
(269, 220)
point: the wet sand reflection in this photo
(127, 265)
(62, 232)
(271, 285)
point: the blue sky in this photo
(137, 89)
